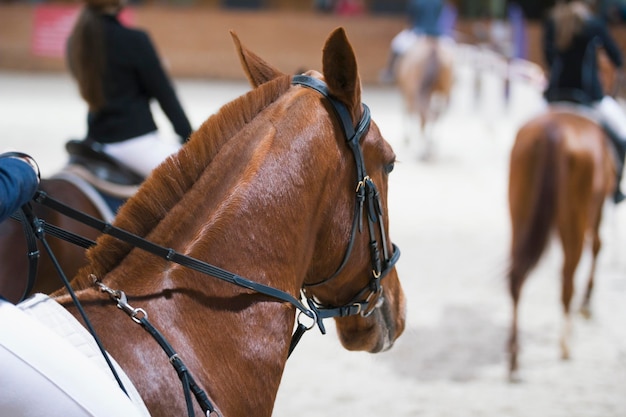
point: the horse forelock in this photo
(170, 181)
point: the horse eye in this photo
(389, 168)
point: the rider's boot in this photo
(618, 195)
(387, 76)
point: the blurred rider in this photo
(118, 72)
(425, 19)
(572, 36)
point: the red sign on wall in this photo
(53, 25)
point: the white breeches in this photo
(403, 41)
(143, 153)
(612, 115)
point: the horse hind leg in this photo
(427, 136)
(516, 280)
(412, 124)
(585, 309)
(572, 249)
(423, 117)
(567, 292)
(513, 345)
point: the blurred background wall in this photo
(193, 35)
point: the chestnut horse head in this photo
(285, 186)
(561, 171)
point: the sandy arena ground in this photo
(449, 217)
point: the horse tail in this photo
(536, 177)
(431, 72)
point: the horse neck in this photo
(262, 204)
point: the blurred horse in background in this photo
(425, 78)
(561, 171)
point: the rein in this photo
(367, 199)
(22, 215)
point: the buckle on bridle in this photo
(370, 308)
(362, 183)
(313, 319)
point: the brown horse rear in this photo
(561, 172)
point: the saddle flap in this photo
(570, 95)
(89, 155)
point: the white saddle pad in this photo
(70, 175)
(54, 317)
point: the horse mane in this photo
(169, 182)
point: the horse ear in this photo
(257, 70)
(341, 72)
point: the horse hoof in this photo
(514, 377)
(426, 156)
(564, 349)
(586, 313)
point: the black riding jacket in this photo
(575, 69)
(133, 77)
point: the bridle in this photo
(367, 199)
(363, 303)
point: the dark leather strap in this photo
(168, 253)
(366, 192)
(25, 216)
(189, 384)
